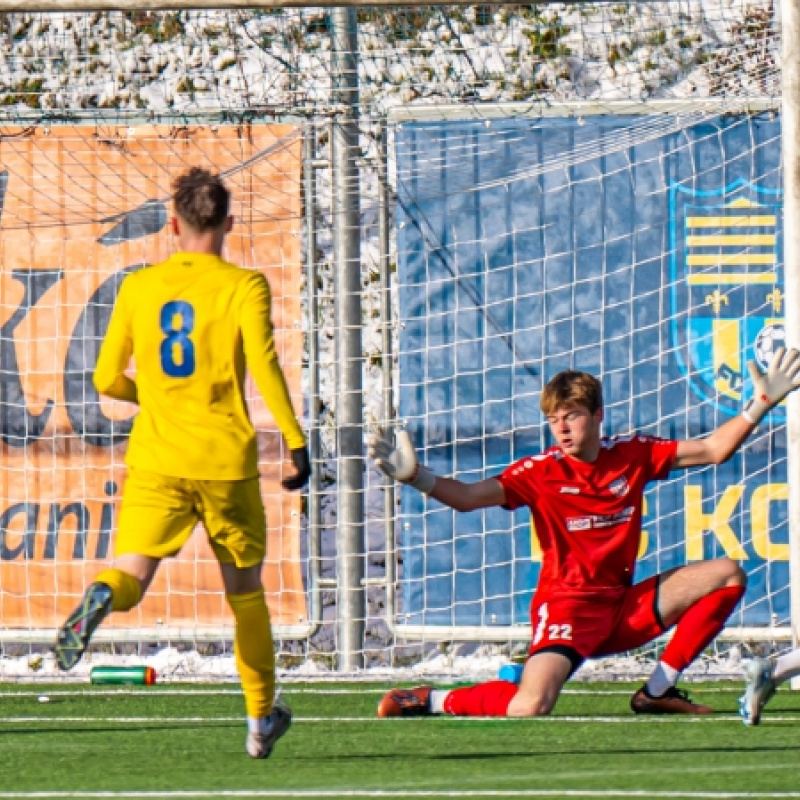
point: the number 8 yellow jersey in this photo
(191, 324)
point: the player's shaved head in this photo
(201, 199)
(570, 388)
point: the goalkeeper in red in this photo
(191, 324)
(585, 495)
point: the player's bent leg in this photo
(542, 680)
(760, 687)
(680, 589)
(705, 616)
(490, 699)
(131, 565)
(156, 517)
(113, 589)
(699, 598)
(484, 700)
(73, 636)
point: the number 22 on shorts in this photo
(553, 632)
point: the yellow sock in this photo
(255, 658)
(125, 589)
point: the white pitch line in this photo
(399, 793)
(177, 720)
(121, 692)
(156, 692)
(632, 720)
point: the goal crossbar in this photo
(522, 633)
(160, 634)
(46, 6)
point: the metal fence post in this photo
(387, 363)
(315, 484)
(350, 534)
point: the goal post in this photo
(790, 109)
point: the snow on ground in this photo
(483, 663)
(280, 59)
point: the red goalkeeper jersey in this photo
(588, 517)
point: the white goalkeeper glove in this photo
(770, 387)
(400, 462)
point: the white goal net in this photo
(595, 186)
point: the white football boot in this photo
(758, 690)
(259, 745)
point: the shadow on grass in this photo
(466, 755)
(723, 749)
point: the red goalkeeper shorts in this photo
(597, 626)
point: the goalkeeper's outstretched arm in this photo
(769, 389)
(469, 496)
(399, 461)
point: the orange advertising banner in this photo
(80, 207)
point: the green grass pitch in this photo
(187, 742)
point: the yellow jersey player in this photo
(191, 324)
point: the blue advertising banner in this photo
(529, 246)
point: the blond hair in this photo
(571, 388)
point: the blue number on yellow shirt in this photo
(177, 339)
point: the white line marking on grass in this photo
(289, 690)
(121, 692)
(695, 687)
(640, 720)
(401, 793)
(177, 720)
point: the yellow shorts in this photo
(158, 514)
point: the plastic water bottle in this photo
(145, 676)
(511, 672)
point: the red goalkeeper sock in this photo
(484, 700)
(699, 625)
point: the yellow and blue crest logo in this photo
(726, 286)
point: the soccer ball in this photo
(769, 339)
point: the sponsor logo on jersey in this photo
(579, 523)
(600, 520)
(619, 488)
(569, 490)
